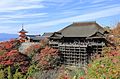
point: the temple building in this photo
(34, 38)
(47, 35)
(22, 35)
(79, 42)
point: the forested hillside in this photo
(39, 61)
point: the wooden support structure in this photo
(79, 42)
(77, 53)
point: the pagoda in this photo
(22, 35)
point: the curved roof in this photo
(81, 29)
(23, 31)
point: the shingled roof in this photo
(81, 29)
(47, 34)
(35, 37)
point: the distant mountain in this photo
(5, 36)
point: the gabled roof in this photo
(47, 34)
(35, 37)
(81, 29)
(56, 35)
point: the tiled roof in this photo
(81, 29)
(23, 31)
(47, 34)
(35, 37)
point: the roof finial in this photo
(22, 26)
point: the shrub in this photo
(71, 72)
(18, 75)
(31, 70)
(48, 58)
(105, 68)
(2, 74)
(15, 58)
(10, 45)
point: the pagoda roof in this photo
(23, 31)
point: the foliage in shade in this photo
(48, 58)
(14, 57)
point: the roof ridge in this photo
(85, 22)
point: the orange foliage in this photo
(82, 78)
(8, 45)
(116, 30)
(47, 57)
(14, 57)
(116, 34)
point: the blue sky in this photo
(39, 16)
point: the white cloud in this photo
(59, 1)
(84, 17)
(8, 29)
(11, 9)
(23, 11)
(97, 1)
(13, 5)
(28, 15)
(100, 1)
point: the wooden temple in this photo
(79, 42)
